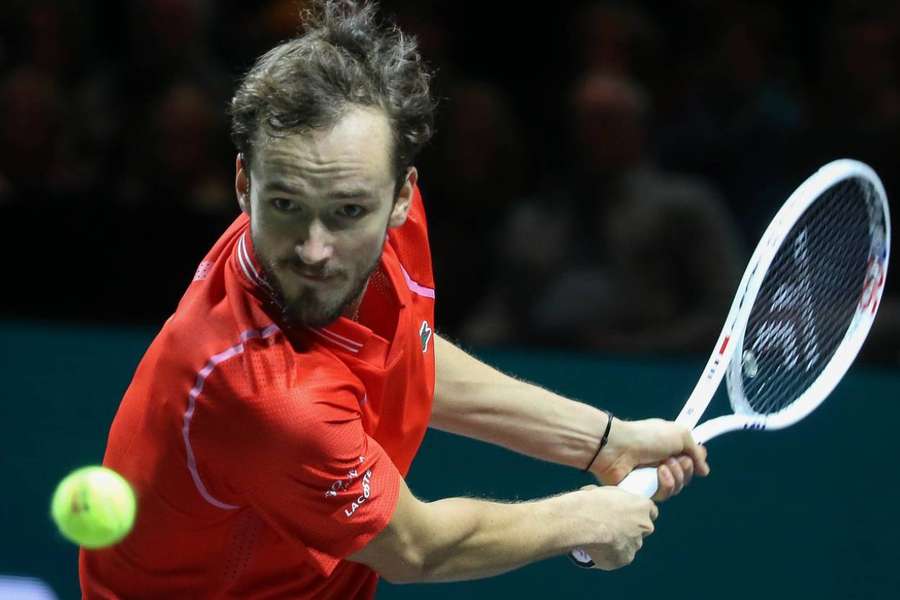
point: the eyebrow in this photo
(352, 193)
(278, 186)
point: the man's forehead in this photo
(361, 136)
(286, 165)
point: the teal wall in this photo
(811, 511)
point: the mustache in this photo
(319, 272)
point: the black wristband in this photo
(603, 440)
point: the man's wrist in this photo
(604, 440)
(616, 459)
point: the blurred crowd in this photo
(600, 173)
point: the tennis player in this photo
(270, 425)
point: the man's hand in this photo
(617, 525)
(652, 442)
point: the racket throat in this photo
(725, 424)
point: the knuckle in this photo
(618, 473)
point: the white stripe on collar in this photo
(247, 264)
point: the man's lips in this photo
(318, 276)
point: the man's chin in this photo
(307, 317)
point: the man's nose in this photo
(318, 245)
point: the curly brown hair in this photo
(343, 57)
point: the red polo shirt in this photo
(262, 458)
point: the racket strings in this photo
(808, 298)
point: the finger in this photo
(705, 462)
(697, 454)
(647, 528)
(677, 473)
(666, 483)
(654, 511)
(687, 465)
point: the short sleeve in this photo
(295, 450)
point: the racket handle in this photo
(642, 482)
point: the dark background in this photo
(116, 176)
(116, 169)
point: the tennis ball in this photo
(93, 507)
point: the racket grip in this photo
(642, 482)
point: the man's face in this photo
(320, 204)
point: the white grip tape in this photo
(642, 482)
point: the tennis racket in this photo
(802, 311)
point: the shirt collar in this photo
(247, 263)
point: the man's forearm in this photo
(461, 538)
(489, 538)
(475, 400)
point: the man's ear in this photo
(242, 182)
(404, 199)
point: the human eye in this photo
(352, 211)
(284, 205)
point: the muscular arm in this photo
(461, 538)
(475, 400)
(478, 401)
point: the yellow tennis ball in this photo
(94, 507)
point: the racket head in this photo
(760, 283)
(813, 287)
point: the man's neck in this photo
(352, 310)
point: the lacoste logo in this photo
(425, 334)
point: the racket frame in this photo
(643, 481)
(731, 338)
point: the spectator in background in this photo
(179, 161)
(476, 169)
(31, 118)
(751, 96)
(617, 38)
(173, 193)
(856, 111)
(43, 152)
(855, 95)
(616, 255)
(46, 199)
(736, 119)
(163, 43)
(169, 42)
(860, 71)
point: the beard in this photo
(309, 308)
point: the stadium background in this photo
(114, 180)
